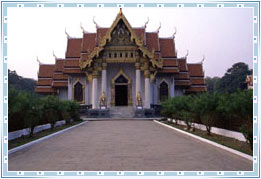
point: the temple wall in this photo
(179, 92)
(63, 94)
(158, 80)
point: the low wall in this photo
(19, 133)
(215, 130)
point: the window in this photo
(78, 92)
(109, 55)
(164, 91)
(115, 55)
(126, 55)
(121, 55)
(131, 55)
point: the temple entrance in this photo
(121, 95)
(121, 90)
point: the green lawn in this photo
(226, 141)
(23, 140)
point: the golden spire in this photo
(203, 59)
(120, 11)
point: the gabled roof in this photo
(88, 42)
(152, 41)
(46, 70)
(167, 48)
(196, 70)
(73, 48)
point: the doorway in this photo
(121, 95)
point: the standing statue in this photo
(103, 100)
(139, 100)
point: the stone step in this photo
(122, 112)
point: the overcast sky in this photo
(223, 35)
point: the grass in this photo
(25, 139)
(226, 141)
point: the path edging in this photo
(209, 142)
(21, 147)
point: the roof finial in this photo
(146, 23)
(203, 59)
(83, 30)
(38, 60)
(68, 36)
(120, 11)
(187, 54)
(158, 28)
(173, 36)
(93, 19)
(54, 55)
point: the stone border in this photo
(209, 142)
(16, 149)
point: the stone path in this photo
(125, 145)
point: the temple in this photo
(120, 66)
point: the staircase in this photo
(122, 112)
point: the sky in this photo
(223, 35)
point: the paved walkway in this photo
(125, 145)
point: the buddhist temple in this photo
(120, 66)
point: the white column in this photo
(137, 81)
(69, 88)
(104, 81)
(147, 90)
(94, 92)
(86, 91)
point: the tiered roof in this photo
(188, 76)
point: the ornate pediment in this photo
(120, 35)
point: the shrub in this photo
(208, 111)
(51, 109)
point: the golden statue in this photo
(103, 99)
(139, 99)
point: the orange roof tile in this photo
(170, 63)
(59, 76)
(140, 32)
(169, 70)
(195, 69)
(199, 81)
(60, 84)
(73, 71)
(182, 76)
(73, 48)
(46, 71)
(44, 82)
(101, 32)
(89, 42)
(182, 64)
(152, 41)
(59, 65)
(71, 63)
(182, 83)
(167, 48)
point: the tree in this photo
(234, 78)
(51, 109)
(241, 107)
(21, 83)
(33, 113)
(212, 83)
(208, 112)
